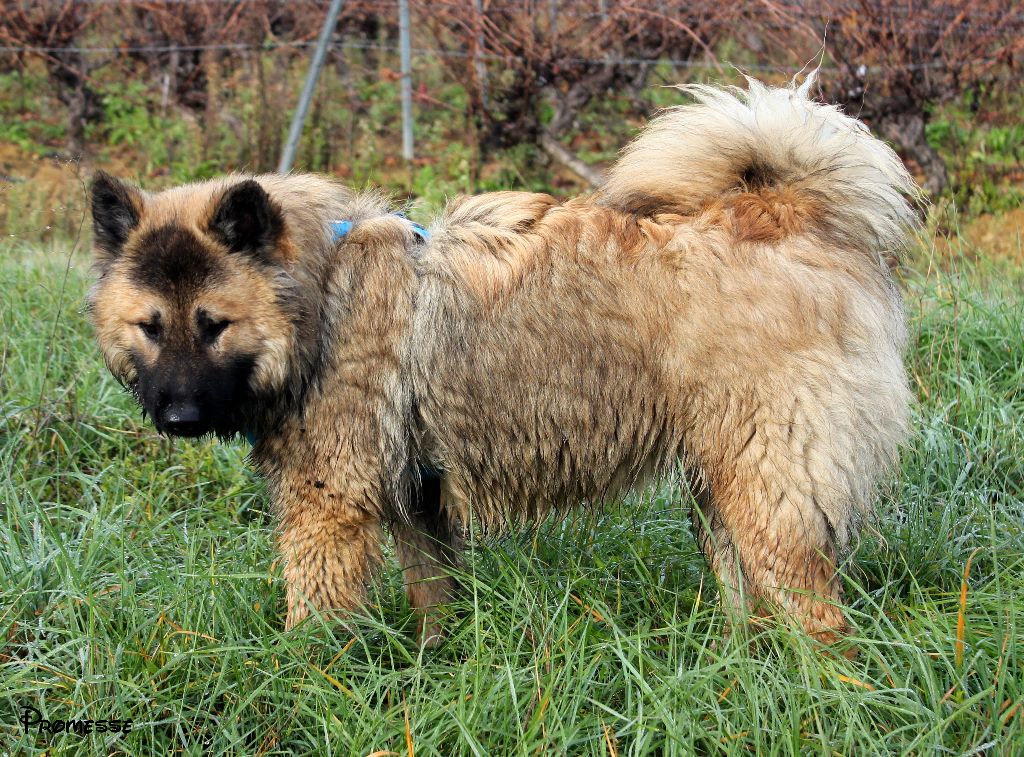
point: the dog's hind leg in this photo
(427, 548)
(716, 545)
(780, 499)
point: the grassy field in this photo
(137, 580)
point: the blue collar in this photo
(341, 228)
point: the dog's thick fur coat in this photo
(722, 303)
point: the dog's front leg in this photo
(330, 543)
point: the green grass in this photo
(138, 580)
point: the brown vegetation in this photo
(529, 68)
(526, 57)
(893, 61)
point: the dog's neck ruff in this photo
(340, 229)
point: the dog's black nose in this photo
(182, 419)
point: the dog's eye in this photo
(213, 329)
(151, 329)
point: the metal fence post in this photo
(299, 118)
(478, 63)
(405, 45)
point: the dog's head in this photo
(186, 306)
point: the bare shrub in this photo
(531, 67)
(892, 61)
(57, 30)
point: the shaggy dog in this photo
(721, 306)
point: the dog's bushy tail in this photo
(764, 141)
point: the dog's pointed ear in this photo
(246, 220)
(116, 210)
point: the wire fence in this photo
(436, 52)
(478, 38)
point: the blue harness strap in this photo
(420, 231)
(341, 228)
